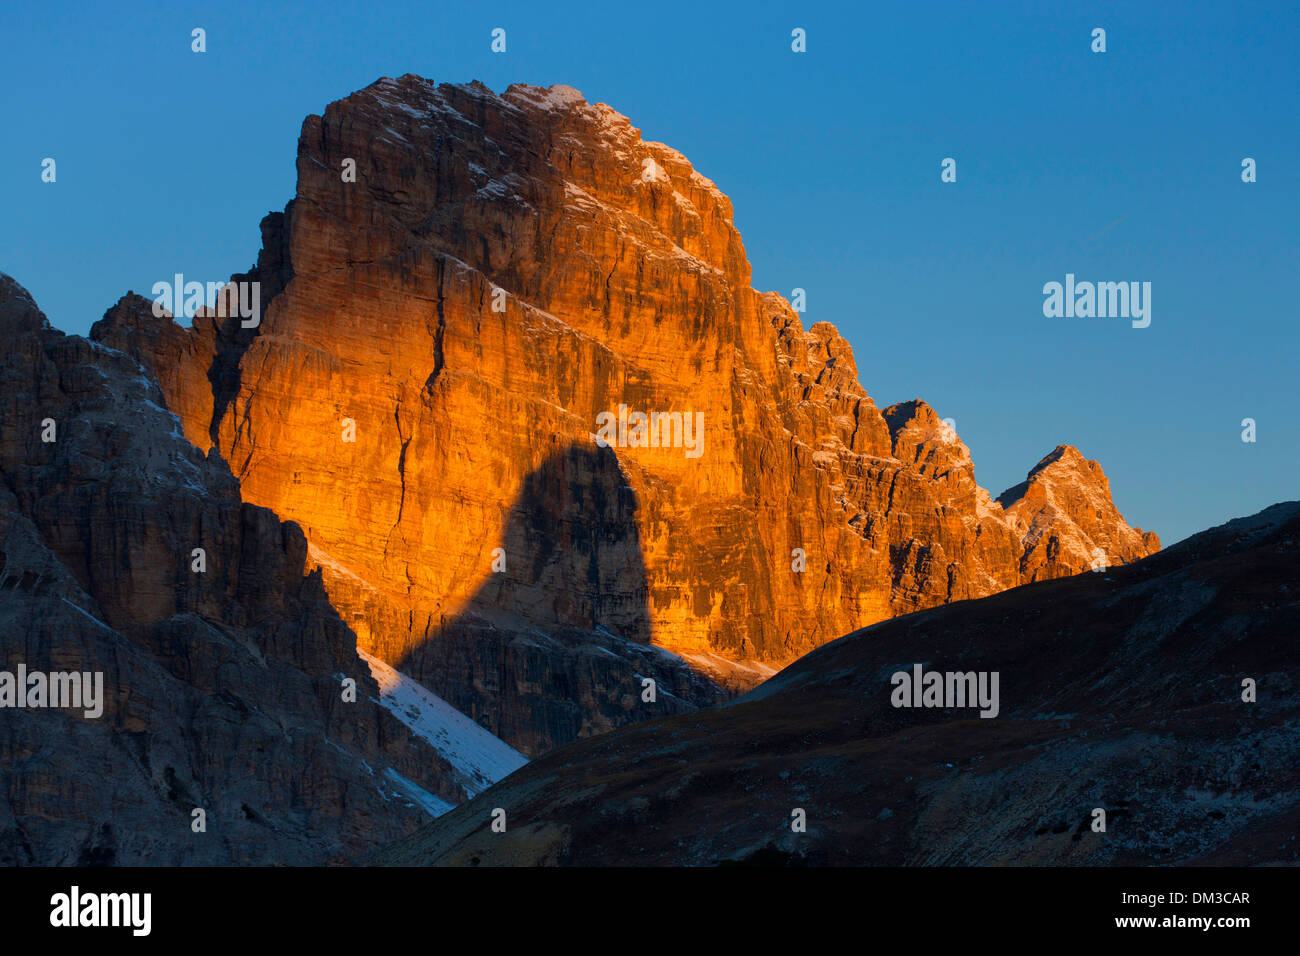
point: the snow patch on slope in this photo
(478, 757)
(415, 794)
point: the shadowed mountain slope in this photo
(221, 671)
(1120, 690)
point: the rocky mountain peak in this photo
(1063, 507)
(464, 287)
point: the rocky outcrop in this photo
(222, 668)
(1163, 693)
(440, 337)
(1064, 516)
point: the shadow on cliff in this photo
(556, 641)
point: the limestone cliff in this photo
(504, 271)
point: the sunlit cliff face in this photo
(445, 339)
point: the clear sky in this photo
(1115, 166)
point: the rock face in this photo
(1121, 690)
(1064, 516)
(439, 341)
(222, 689)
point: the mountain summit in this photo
(499, 273)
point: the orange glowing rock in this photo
(502, 273)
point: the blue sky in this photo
(1117, 166)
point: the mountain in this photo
(465, 310)
(1122, 690)
(222, 672)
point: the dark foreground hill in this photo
(1120, 690)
